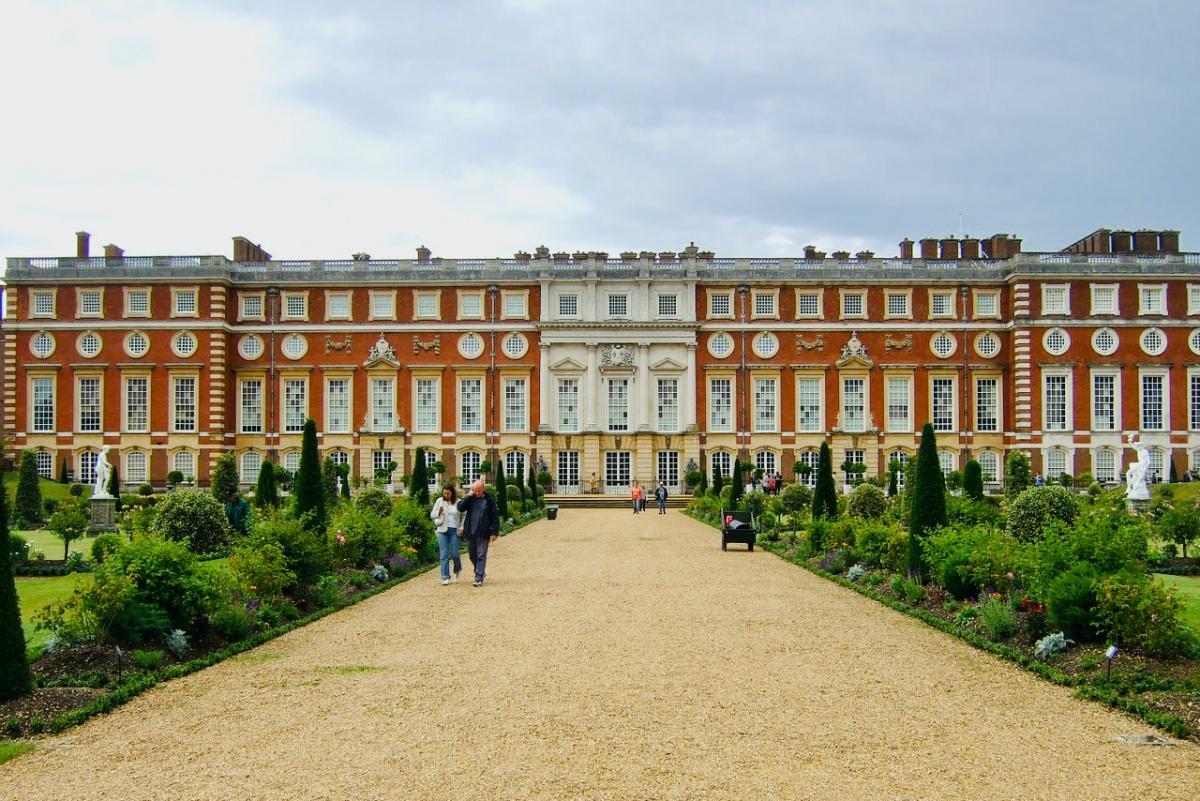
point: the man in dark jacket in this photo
(660, 495)
(237, 512)
(480, 526)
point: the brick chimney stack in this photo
(1145, 241)
(113, 252)
(929, 248)
(906, 248)
(423, 253)
(970, 248)
(1168, 242)
(246, 251)
(83, 245)
(1122, 242)
(810, 251)
(950, 249)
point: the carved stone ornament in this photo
(382, 351)
(434, 345)
(816, 344)
(331, 346)
(901, 343)
(617, 355)
(854, 351)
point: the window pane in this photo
(987, 406)
(137, 405)
(764, 405)
(1104, 398)
(337, 419)
(853, 404)
(943, 404)
(618, 404)
(720, 405)
(470, 405)
(808, 404)
(43, 405)
(382, 405)
(897, 404)
(1152, 402)
(668, 404)
(568, 404)
(295, 405)
(89, 405)
(252, 413)
(185, 404)
(568, 305)
(427, 405)
(514, 404)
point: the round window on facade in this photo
(42, 344)
(1105, 341)
(251, 347)
(184, 344)
(294, 346)
(766, 345)
(89, 344)
(515, 346)
(1154, 342)
(1194, 341)
(720, 345)
(987, 344)
(1056, 341)
(137, 344)
(470, 345)
(943, 345)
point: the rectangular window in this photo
(43, 304)
(618, 404)
(89, 405)
(853, 304)
(720, 304)
(89, 303)
(295, 405)
(941, 304)
(184, 391)
(987, 304)
(764, 304)
(337, 306)
(137, 404)
(1193, 299)
(808, 405)
(470, 405)
(252, 307)
(427, 305)
(381, 463)
(808, 304)
(135, 468)
(427, 406)
(720, 404)
(383, 405)
(854, 457)
(668, 469)
(943, 404)
(618, 305)
(514, 305)
(617, 470)
(1194, 402)
(1055, 299)
(471, 462)
(1153, 299)
(295, 306)
(1105, 466)
(854, 404)
(987, 404)
(251, 407)
(1104, 299)
(337, 402)
(43, 405)
(1055, 402)
(1104, 402)
(568, 470)
(470, 306)
(898, 412)
(185, 302)
(897, 304)
(514, 404)
(568, 405)
(668, 404)
(1152, 402)
(668, 305)
(383, 306)
(568, 305)
(137, 303)
(765, 405)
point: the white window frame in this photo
(127, 424)
(845, 295)
(991, 466)
(35, 295)
(341, 422)
(803, 295)
(673, 297)
(97, 410)
(610, 298)
(514, 304)
(977, 296)
(243, 314)
(136, 473)
(863, 410)
(426, 404)
(803, 393)
(567, 404)
(934, 381)
(179, 292)
(765, 397)
(248, 467)
(727, 295)
(617, 412)
(476, 295)
(1165, 378)
(1193, 299)
(130, 292)
(179, 422)
(898, 424)
(286, 385)
(996, 395)
(1099, 309)
(465, 411)
(89, 291)
(1193, 398)
(510, 421)
(243, 427)
(1048, 423)
(727, 405)
(1158, 289)
(423, 298)
(1047, 290)
(904, 313)
(341, 296)
(769, 297)
(574, 299)
(1099, 472)
(287, 314)
(1115, 375)
(947, 295)
(37, 421)
(383, 415)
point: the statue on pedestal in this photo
(103, 474)
(1137, 477)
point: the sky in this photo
(319, 129)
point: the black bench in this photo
(738, 527)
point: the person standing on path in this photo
(635, 494)
(445, 516)
(660, 495)
(480, 526)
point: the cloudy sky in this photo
(481, 128)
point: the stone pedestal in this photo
(1137, 506)
(104, 514)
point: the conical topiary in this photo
(418, 482)
(29, 509)
(718, 480)
(738, 488)
(973, 480)
(825, 503)
(15, 677)
(310, 495)
(928, 510)
(266, 492)
(501, 492)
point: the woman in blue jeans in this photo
(445, 516)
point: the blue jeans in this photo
(447, 550)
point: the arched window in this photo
(431, 477)
(989, 466)
(810, 458)
(251, 464)
(339, 457)
(291, 461)
(45, 464)
(185, 462)
(135, 467)
(87, 467)
(946, 460)
(514, 465)
(1056, 464)
(1157, 460)
(765, 461)
(721, 461)
(902, 458)
(469, 462)
(1194, 461)
(1104, 465)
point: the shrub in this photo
(305, 554)
(375, 501)
(266, 491)
(177, 642)
(1110, 539)
(91, 611)
(104, 545)
(69, 523)
(964, 511)
(1050, 645)
(965, 560)
(380, 573)
(973, 480)
(356, 536)
(856, 572)
(75, 490)
(233, 623)
(928, 489)
(416, 532)
(871, 542)
(1029, 512)
(512, 492)
(175, 477)
(1179, 526)
(867, 501)
(1071, 603)
(148, 660)
(309, 494)
(224, 477)
(825, 495)
(1142, 615)
(18, 550)
(1018, 474)
(28, 510)
(194, 518)
(997, 619)
(167, 576)
(907, 590)
(418, 487)
(328, 591)
(15, 677)
(262, 565)
(145, 490)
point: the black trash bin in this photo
(551, 512)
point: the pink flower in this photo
(1009, 575)
(341, 538)
(1154, 617)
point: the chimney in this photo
(865, 255)
(1145, 241)
(1014, 245)
(113, 252)
(970, 248)
(1122, 242)
(841, 255)
(929, 248)
(1168, 241)
(423, 253)
(246, 251)
(810, 251)
(997, 247)
(83, 245)
(691, 251)
(949, 248)
(521, 256)
(906, 248)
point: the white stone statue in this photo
(1137, 477)
(103, 473)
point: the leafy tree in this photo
(266, 493)
(894, 468)
(194, 518)
(1018, 474)
(69, 522)
(501, 493)
(15, 677)
(310, 496)
(825, 496)
(738, 488)
(1032, 509)
(114, 485)
(29, 509)
(928, 509)
(973, 480)
(225, 477)
(1180, 525)
(63, 479)
(867, 501)
(794, 499)
(418, 483)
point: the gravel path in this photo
(609, 657)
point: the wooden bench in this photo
(738, 527)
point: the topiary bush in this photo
(28, 510)
(1071, 603)
(1032, 509)
(1018, 474)
(194, 518)
(309, 496)
(104, 545)
(375, 501)
(224, 477)
(868, 502)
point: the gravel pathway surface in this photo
(609, 657)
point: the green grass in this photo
(11, 750)
(1183, 492)
(1188, 589)
(38, 593)
(45, 541)
(50, 489)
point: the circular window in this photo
(251, 346)
(514, 346)
(987, 344)
(42, 344)
(1056, 341)
(1105, 341)
(1154, 342)
(137, 344)
(943, 345)
(294, 346)
(88, 344)
(720, 345)
(1194, 341)
(766, 345)
(470, 345)
(184, 344)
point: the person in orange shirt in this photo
(635, 494)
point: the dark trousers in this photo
(662, 506)
(477, 548)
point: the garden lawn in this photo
(50, 489)
(45, 541)
(1188, 588)
(38, 593)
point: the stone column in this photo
(645, 416)
(545, 389)
(688, 396)
(589, 391)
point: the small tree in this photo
(973, 480)
(738, 487)
(310, 496)
(867, 501)
(266, 492)
(225, 477)
(15, 677)
(1032, 509)
(1180, 525)
(894, 468)
(485, 471)
(825, 497)
(69, 522)
(1018, 474)
(29, 509)
(794, 499)
(501, 493)
(418, 482)
(194, 518)
(928, 510)
(533, 486)
(64, 477)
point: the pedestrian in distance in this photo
(480, 526)
(237, 512)
(445, 517)
(642, 496)
(635, 495)
(660, 495)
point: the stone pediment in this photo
(382, 352)
(854, 352)
(568, 365)
(668, 364)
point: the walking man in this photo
(480, 525)
(660, 495)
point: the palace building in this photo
(629, 367)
